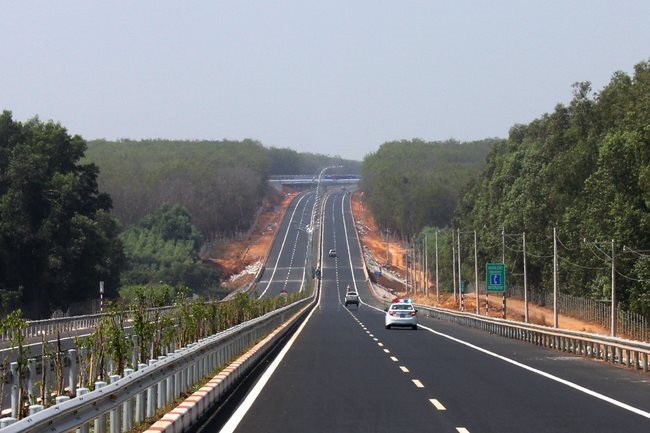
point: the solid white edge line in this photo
(546, 375)
(286, 234)
(244, 407)
(575, 386)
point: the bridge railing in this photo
(629, 353)
(129, 399)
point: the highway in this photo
(342, 371)
(285, 264)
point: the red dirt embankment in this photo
(393, 252)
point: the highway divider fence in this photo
(128, 399)
(629, 353)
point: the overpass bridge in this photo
(301, 181)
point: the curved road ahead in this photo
(342, 371)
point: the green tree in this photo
(55, 232)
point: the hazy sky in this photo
(333, 77)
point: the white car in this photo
(401, 314)
(352, 298)
(332, 253)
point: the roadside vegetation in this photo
(583, 168)
(125, 213)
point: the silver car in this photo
(401, 314)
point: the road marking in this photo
(243, 408)
(404, 369)
(371, 335)
(575, 386)
(387, 351)
(282, 246)
(417, 383)
(380, 344)
(545, 374)
(376, 339)
(394, 359)
(462, 430)
(437, 404)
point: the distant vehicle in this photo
(332, 253)
(352, 298)
(401, 314)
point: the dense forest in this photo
(57, 238)
(585, 169)
(412, 184)
(221, 183)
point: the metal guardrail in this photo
(63, 325)
(116, 406)
(629, 353)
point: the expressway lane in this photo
(286, 264)
(345, 372)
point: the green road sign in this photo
(462, 287)
(495, 277)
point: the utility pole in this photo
(478, 311)
(437, 290)
(555, 277)
(460, 280)
(453, 262)
(525, 281)
(426, 266)
(614, 321)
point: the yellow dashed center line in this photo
(404, 369)
(437, 404)
(418, 383)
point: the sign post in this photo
(495, 281)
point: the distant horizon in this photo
(334, 78)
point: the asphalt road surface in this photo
(342, 371)
(286, 268)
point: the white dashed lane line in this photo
(434, 402)
(462, 430)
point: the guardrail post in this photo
(35, 408)
(151, 396)
(61, 398)
(170, 385)
(100, 421)
(6, 422)
(13, 368)
(139, 402)
(73, 372)
(178, 379)
(645, 362)
(85, 428)
(114, 415)
(162, 388)
(127, 412)
(29, 380)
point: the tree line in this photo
(583, 169)
(124, 212)
(410, 184)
